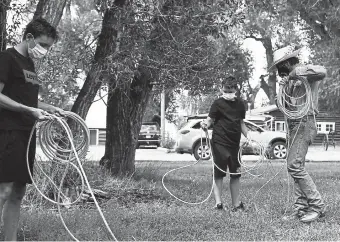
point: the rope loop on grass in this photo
(247, 168)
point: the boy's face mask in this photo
(37, 51)
(229, 94)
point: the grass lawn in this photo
(140, 209)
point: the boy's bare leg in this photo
(218, 189)
(11, 211)
(235, 191)
(5, 191)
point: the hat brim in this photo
(286, 57)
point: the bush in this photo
(168, 142)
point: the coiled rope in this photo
(66, 154)
(291, 106)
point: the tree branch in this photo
(319, 28)
(265, 86)
(251, 36)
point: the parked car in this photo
(189, 140)
(149, 135)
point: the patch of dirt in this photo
(126, 198)
(130, 197)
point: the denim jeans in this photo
(300, 136)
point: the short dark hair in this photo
(229, 82)
(292, 61)
(39, 27)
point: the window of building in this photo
(325, 127)
(318, 125)
(280, 126)
(94, 136)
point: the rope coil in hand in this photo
(295, 107)
(64, 152)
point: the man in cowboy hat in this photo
(227, 114)
(309, 205)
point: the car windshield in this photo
(253, 127)
(197, 125)
(192, 123)
(148, 127)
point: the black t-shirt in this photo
(17, 72)
(227, 117)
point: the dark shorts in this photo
(225, 157)
(13, 148)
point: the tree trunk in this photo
(88, 92)
(3, 20)
(254, 93)
(265, 87)
(51, 10)
(271, 93)
(108, 44)
(270, 87)
(125, 112)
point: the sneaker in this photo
(238, 208)
(296, 214)
(219, 206)
(311, 216)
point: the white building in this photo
(96, 122)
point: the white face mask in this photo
(37, 51)
(229, 96)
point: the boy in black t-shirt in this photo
(19, 109)
(227, 114)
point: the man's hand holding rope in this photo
(284, 80)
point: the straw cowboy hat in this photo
(283, 54)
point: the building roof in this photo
(249, 116)
(263, 110)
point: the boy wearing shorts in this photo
(227, 114)
(19, 109)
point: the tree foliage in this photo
(63, 69)
(190, 48)
(176, 32)
(274, 25)
(51, 10)
(322, 17)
